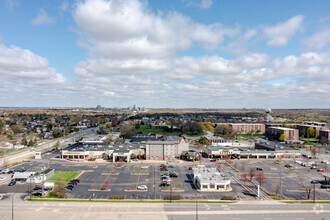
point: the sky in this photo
(165, 54)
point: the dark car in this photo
(314, 181)
(37, 194)
(259, 169)
(73, 182)
(173, 175)
(288, 165)
(163, 165)
(12, 182)
(325, 186)
(37, 187)
(69, 186)
(165, 184)
(76, 180)
(10, 172)
(190, 168)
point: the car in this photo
(163, 169)
(10, 172)
(288, 165)
(164, 174)
(314, 181)
(72, 183)
(190, 168)
(313, 167)
(75, 180)
(165, 184)
(2, 178)
(259, 169)
(144, 167)
(135, 159)
(162, 165)
(173, 175)
(171, 166)
(166, 180)
(325, 186)
(213, 160)
(164, 177)
(320, 170)
(12, 182)
(37, 194)
(37, 187)
(142, 187)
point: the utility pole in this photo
(154, 183)
(196, 207)
(281, 183)
(314, 193)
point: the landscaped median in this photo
(66, 176)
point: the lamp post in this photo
(12, 207)
(196, 207)
(314, 192)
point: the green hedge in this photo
(117, 197)
(228, 198)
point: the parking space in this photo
(124, 176)
(291, 182)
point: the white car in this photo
(2, 178)
(144, 167)
(142, 187)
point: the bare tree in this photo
(277, 188)
(307, 187)
(261, 179)
(315, 151)
(253, 172)
(245, 176)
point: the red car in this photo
(320, 170)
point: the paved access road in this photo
(90, 210)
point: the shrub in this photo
(172, 197)
(117, 197)
(228, 198)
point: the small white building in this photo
(210, 179)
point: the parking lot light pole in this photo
(196, 207)
(314, 192)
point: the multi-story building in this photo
(303, 130)
(325, 134)
(276, 132)
(245, 128)
(169, 148)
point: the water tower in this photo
(268, 117)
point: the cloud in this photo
(200, 4)
(43, 18)
(12, 4)
(64, 6)
(133, 57)
(280, 34)
(317, 41)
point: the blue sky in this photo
(188, 53)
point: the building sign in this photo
(37, 155)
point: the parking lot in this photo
(124, 178)
(288, 182)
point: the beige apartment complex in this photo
(276, 132)
(245, 128)
(326, 134)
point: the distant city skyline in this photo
(165, 54)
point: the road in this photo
(19, 156)
(90, 210)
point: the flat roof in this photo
(276, 146)
(209, 175)
(281, 128)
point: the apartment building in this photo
(276, 132)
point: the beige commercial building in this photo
(276, 132)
